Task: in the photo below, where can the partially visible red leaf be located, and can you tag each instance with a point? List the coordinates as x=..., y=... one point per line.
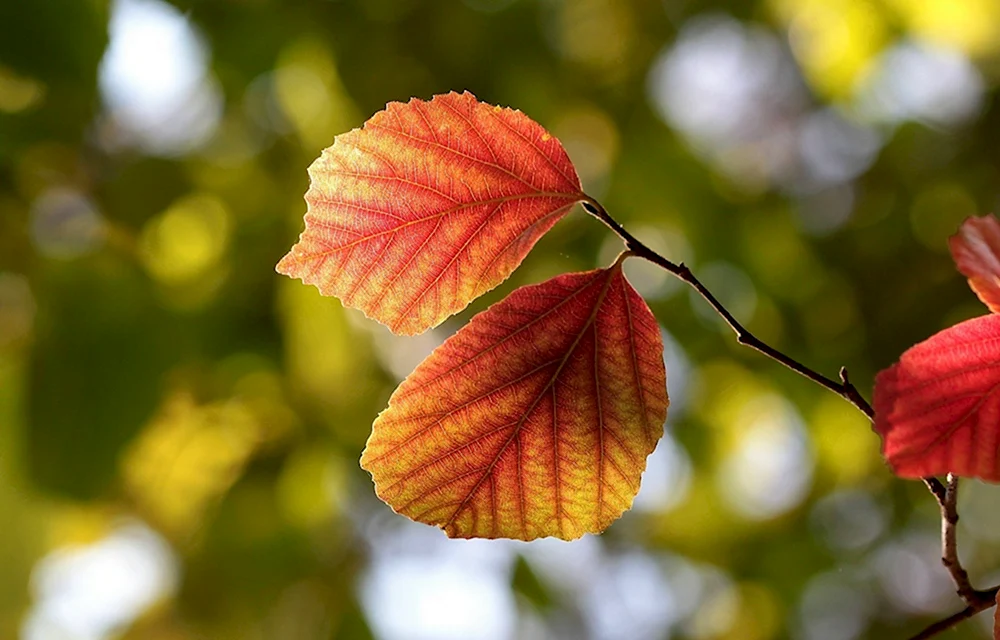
x=534, y=420
x=976, y=250
x=429, y=206
x=938, y=409
x=996, y=619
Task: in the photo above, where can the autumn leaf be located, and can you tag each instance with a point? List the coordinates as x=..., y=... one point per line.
x=976, y=250
x=996, y=619
x=533, y=420
x=428, y=206
x=938, y=409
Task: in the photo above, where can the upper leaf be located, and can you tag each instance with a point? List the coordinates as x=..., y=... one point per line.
x=428, y=206
x=976, y=250
x=534, y=420
x=938, y=408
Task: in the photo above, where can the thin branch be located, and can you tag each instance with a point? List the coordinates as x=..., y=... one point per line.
x=949, y=542
x=951, y=621
x=946, y=495
x=976, y=600
x=844, y=388
x=935, y=487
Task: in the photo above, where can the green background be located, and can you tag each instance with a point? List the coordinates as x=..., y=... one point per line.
x=180, y=426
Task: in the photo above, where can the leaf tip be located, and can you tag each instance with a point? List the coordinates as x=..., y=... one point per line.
x=288, y=265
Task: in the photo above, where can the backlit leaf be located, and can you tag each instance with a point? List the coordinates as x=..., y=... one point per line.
x=429, y=206
x=976, y=250
x=938, y=408
x=533, y=420
x=996, y=619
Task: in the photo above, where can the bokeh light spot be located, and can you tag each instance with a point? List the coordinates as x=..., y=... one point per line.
x=95, y=591
x=154, y=78
x=187, y=240
x=65, y=224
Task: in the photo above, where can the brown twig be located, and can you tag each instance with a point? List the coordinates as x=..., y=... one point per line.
x=844, y=388
x=946, y=495
x=949, y=622
x=935, y=487
x=976, y=600
x=949, y=540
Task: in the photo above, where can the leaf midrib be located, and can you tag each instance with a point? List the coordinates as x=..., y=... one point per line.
x=612, y=273
x=574, y=197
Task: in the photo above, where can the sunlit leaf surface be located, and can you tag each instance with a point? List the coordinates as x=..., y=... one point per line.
x=976, y=250
x=533, y=420
x=428, y=206
x=938, y=408
x=996, y=620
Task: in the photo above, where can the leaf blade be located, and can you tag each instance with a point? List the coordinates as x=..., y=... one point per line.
x=996, y=619
x=976, y=251
x=938, y=409
x=428, y=206
x=533, y=420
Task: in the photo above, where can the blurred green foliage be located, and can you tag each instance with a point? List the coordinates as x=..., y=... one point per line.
x=807, y=157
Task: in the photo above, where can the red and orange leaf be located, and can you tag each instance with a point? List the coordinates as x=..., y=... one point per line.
x=996, y=619
x=428, y=206
x=976, y=250
x=533, y=420
x=938, y=409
